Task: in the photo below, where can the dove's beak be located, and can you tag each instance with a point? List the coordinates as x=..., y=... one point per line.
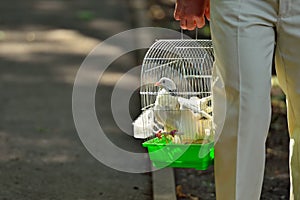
x=157, y=84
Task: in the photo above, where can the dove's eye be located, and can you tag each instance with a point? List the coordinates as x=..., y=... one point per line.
x=163, y=81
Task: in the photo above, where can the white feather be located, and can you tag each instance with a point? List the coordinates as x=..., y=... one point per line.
x=197, y=105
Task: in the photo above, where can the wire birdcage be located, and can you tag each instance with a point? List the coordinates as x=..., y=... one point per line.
x=176, y=94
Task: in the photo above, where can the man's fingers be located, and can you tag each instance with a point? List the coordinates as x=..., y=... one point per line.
x=192, y=13
x=207, y=15
x=200, y=21
x=207, y=11
x=183, y=24
x=190, y=24
x=178, y=10
x=177, y=14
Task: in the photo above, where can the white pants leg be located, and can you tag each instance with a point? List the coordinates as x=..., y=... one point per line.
x=287, y=60
x=243, y=33
x=244, y=39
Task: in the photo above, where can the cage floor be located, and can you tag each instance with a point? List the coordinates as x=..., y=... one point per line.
x=163, y=154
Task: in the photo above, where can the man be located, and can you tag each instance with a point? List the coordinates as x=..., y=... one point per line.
x=245, y=34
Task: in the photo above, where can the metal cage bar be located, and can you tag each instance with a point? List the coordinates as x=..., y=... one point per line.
x=187, y=108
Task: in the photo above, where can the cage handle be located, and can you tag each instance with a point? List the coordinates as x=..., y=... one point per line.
x=196, y=34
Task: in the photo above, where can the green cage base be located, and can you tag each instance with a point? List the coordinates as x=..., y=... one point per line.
x=166, y=154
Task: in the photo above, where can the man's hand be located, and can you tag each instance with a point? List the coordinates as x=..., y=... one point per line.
x=191, y=13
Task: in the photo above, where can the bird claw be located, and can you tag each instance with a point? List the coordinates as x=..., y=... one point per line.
x=158, y=134
x=173, y=132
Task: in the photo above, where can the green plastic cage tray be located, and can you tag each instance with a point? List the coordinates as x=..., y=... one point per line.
x=167, y=154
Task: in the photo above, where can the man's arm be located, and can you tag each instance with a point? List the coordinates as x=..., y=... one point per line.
x=191, y=13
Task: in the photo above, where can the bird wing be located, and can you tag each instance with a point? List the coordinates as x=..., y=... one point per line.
x=197, y=105
x=166, y=110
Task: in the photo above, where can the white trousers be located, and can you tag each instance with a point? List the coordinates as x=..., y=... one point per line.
x=246, y=34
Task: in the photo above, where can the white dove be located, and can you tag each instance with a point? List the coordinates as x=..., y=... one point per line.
x=166, y=106
x=169, y=112
x=167, y=84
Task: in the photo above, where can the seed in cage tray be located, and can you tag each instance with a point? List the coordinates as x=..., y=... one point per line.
x=200, y=141
x=195, y=141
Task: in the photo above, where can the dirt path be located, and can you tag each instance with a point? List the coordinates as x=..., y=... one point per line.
x=42, y=44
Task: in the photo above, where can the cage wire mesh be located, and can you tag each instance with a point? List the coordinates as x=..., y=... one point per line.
x=175, y=91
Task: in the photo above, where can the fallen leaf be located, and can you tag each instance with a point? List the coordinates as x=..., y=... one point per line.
x=179, y=192
x=193, y=197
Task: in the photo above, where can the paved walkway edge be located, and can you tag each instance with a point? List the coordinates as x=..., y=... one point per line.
x=163, y=181
x=163, y=184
